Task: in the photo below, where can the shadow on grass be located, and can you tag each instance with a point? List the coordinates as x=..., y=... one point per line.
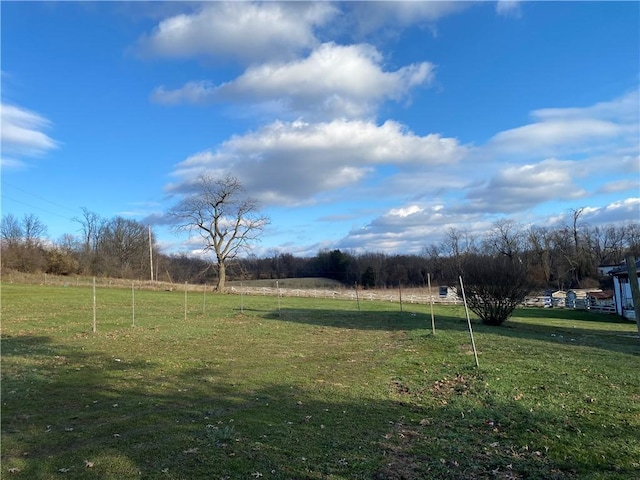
x=364, y=320
x=619, y=340
x=77, y=414
x=566, y=314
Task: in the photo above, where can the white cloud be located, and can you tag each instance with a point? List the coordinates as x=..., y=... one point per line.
x=295, y=162
x=334, y=80
x=624, y=210
x=22, y=135
x=509, y=8
x=623, y=109
x=550, y=135
x=563, y=131
x=519, y=187
x=405, y=212
x=241, y=31
x=410, y=228
x=621, y=186
x=370, y=17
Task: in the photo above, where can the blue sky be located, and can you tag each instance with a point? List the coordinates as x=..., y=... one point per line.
x=368, y=126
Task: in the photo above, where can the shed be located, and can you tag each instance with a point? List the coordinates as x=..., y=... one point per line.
x=558, y=298
x=577, y=298
x=601, y=301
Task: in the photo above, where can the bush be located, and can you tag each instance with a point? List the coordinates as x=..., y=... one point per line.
x=494, y=286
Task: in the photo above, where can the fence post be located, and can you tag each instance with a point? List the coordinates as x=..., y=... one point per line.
x=473, y=343
x=94, y=305
x=433, y=321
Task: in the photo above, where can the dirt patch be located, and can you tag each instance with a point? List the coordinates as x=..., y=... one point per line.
x=447, y=387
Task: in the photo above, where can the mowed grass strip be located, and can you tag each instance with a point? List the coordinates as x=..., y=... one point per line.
x=256, y=387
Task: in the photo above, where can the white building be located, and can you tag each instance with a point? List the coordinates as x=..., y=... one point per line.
x=622, y=291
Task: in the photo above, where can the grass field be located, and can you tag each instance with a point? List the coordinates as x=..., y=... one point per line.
x=309, y=389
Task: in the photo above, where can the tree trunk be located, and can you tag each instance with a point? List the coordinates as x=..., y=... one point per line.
x=222, y=275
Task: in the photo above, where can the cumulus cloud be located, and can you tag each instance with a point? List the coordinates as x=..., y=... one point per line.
x=23, y=136
x=334, y=80
x=294, y=162
x=246, y=32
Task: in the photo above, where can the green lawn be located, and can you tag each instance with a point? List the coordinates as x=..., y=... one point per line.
x=309, y=389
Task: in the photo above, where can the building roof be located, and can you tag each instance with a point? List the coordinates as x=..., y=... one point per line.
x=622, y=269
x=607, y=294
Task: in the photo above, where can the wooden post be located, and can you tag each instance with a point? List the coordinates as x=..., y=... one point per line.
x=133, y=304
x=635, y=289
x=151, y=254
x=278, y=292
x=357, y=296
x=185, y=301
x=400, y=295
x=433, y=320
x=473, y=343
x=94, y=305
x=204, y=299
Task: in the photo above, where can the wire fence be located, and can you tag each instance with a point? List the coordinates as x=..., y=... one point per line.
x=441, y=295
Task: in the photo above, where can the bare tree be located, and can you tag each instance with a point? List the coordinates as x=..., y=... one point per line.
x=505, y=238
x=11, y=230
x=22, y=242
x=227, y=222
x=34, y=230
x=90, y=224
x=538, y=243
x=92, y=227
x=125, y=248
x=632, y=238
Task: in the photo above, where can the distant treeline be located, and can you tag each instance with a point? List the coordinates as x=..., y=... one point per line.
x=560, y=257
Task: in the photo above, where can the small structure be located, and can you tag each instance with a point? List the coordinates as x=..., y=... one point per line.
x=601, y=301
x=622, y=291
x=446, y=293
x=539, y=299
x=558, y=299
x=577, y=298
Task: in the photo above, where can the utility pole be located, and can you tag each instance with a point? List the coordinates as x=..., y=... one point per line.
x=150, y=254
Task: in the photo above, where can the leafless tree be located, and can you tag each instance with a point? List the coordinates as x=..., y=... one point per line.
x=539, y=243
x=11, y=230
x=124, y=247
x=34, y=230
x=632, y=238
x=226, y=221
x=22, y=242
x=92, y=228
x=505, y=238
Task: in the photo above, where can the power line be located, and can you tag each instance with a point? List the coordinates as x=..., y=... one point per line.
x=38, y=196
x=38, y=208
